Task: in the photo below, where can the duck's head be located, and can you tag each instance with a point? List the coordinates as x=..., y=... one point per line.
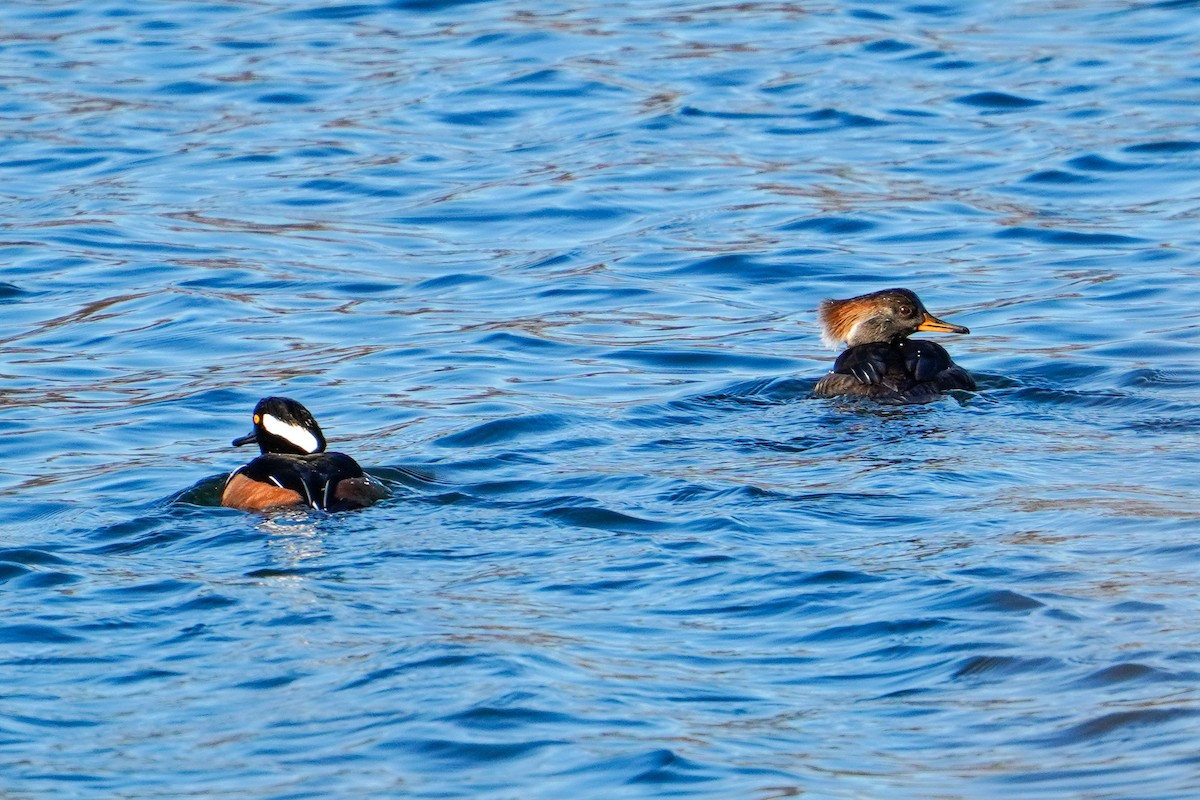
x=281, y=425
x=885, y=316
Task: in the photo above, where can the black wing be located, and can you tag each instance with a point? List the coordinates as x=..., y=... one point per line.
x=875, y=364
x=911, y=370
x=928, y=362
x=314, y=477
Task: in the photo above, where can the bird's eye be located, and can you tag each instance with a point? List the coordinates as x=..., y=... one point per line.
x=906, y=311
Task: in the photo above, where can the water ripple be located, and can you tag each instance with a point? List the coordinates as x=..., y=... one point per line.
x=551, y=274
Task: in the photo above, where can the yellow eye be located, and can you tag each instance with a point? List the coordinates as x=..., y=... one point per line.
x=257, y=419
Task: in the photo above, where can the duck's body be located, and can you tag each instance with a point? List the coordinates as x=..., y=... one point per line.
x=881, y=362
x=294, y=468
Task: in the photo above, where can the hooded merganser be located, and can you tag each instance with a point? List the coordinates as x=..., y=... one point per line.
x=294, y=469
x=880, y=361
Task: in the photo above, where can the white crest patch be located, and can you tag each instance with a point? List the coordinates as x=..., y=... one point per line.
x=855, y=332
x=830, y=340
x=293, y=433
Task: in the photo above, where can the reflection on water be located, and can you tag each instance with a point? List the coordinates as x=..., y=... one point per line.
x=551, y=274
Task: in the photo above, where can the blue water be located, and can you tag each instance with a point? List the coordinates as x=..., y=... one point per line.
x=550, y=271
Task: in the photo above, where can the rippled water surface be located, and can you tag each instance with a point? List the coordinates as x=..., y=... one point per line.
x=550, y=271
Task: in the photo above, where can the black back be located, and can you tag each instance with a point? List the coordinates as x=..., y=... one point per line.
x=314, y=476
x=913, y=369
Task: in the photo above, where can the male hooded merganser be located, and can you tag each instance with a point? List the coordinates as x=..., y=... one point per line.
x=880, y=361
x=294, y=469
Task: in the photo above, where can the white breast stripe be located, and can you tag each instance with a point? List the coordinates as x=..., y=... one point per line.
x=293, y=433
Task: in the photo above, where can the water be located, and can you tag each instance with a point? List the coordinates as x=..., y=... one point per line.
x=551, y=273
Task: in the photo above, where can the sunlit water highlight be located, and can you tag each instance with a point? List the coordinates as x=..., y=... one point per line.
x=551, y=273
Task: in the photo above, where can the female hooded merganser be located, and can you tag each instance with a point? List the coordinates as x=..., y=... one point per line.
x=880, y=361
x=294, y=469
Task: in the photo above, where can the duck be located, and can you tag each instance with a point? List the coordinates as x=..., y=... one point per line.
x=294, y=468
x=880, y=361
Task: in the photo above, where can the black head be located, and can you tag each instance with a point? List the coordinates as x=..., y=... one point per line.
x=281, y=425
